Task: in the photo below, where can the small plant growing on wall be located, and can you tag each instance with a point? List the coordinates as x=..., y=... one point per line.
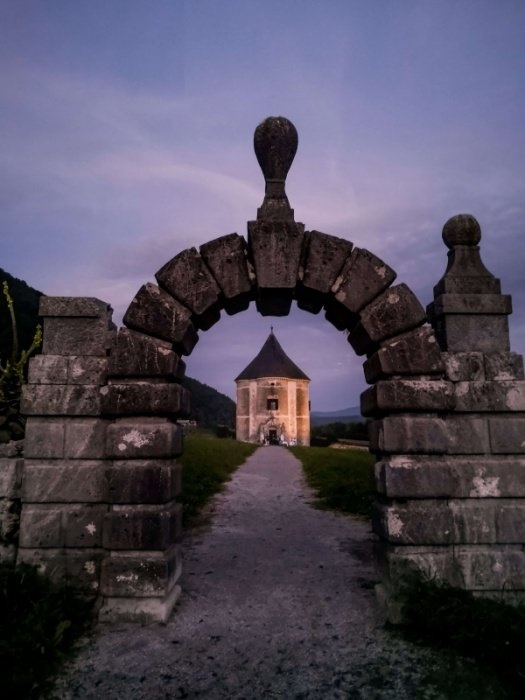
x=12, y=423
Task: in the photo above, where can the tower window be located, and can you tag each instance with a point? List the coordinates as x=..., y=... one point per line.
x=272, y=404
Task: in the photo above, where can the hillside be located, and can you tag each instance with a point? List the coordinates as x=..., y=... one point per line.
x=345, y=415
x=208, y=406
x=26, y=312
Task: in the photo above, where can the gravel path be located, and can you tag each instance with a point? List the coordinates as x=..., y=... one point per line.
x=277, y=602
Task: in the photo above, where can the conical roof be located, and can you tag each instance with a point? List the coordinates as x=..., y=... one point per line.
x=272, y=361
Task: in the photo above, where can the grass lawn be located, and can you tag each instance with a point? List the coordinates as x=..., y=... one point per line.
x=207, y=463
x=342, y=479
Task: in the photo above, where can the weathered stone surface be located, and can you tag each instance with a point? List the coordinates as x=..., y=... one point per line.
x=464, y=366
x=139, y=610
x=82, y=565
x=457, y=333
x=138, y=355
x=187, y=278
x=143, y=439
x=143, y=481
x=507, y=434
x=85, y=438
x=85, y=307
x=403, y=476
x=13, y=448
x=142, y=527
x=396, y=310
x=227, y=259
x=275, y=249
x=87, y=370
x=10, y=476
x=396, y=395
x=75, y=336
x=362, y=278
x=408, y=434
x=470, y=521
x=472, y=304
x=9, y=520
x=141, y=573
x=323, y=258
x=145, y=398
x=501, y=366
x=45, y=438
x=415, y=352
x=62, y=481
x=467, y=435
x=154, y=312
x=48, y=369
x=52, y=525
x=475, y=567
x=490, y=396
x=60, y=400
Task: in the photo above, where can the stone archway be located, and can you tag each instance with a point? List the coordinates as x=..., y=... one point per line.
x=100, y=474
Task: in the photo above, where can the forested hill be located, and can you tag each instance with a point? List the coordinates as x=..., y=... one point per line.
x=26, y=301
x=208, y=406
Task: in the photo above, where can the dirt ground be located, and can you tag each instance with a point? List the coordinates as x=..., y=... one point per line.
x=277, y=602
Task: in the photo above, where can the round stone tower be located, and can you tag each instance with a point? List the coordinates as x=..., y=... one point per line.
x=273, y=405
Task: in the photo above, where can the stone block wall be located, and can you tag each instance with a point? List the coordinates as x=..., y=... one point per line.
x=11, y=470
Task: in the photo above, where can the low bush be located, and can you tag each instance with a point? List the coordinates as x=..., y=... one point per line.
x=40, y=622
x=343, y=479
x=207, y=462
x=490, y=632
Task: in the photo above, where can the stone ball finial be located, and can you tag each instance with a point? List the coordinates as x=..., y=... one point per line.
x=462, y=229
x=275, y=143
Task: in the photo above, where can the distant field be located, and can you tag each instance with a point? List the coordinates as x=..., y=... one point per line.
x=342, y=479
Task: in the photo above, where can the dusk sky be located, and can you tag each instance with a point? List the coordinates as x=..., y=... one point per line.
x=126, y=131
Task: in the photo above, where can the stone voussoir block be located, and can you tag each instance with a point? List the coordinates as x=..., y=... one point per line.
x=137, y=355
x=143, y=439
x=155, y=312
x=227, y=259
x=396, y=310
x=323, y=258
x=144, y=398
x=187, y=278
x=275, y=251
x=143, y=481
x=140, y=573
x=405, y=476
x=408, y=434
x=412, y=353
x=64, y=481
x=401, y=395
x=507, y=434
x=142, y=526
x=466, y=521
x=60, y=400
x=490, y=396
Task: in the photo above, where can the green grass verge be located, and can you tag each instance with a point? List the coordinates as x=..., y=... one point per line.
x=40, y=622
x=342, y=479
x=207, y=462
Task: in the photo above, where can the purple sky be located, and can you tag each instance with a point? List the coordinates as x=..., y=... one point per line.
x=126, y=132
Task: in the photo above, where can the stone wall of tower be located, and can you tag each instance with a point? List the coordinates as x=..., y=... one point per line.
x=291, y=419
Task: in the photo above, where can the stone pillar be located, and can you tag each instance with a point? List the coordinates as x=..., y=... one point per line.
x=64, y=491
x=142, y=528
x=11, y=468
x=451, y=467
